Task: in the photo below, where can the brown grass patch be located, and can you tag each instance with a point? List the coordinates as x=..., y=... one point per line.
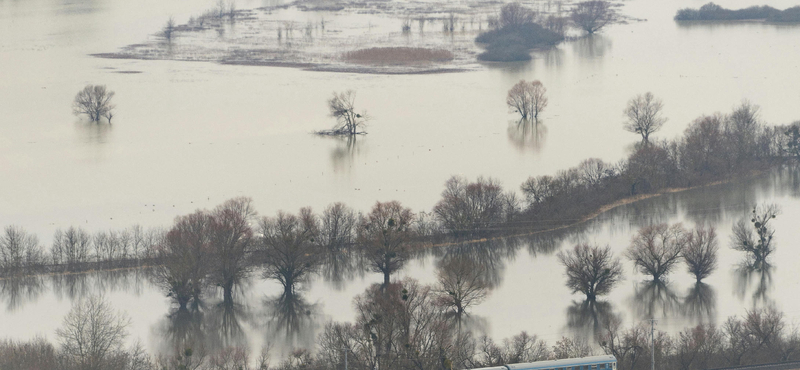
x=398, y=55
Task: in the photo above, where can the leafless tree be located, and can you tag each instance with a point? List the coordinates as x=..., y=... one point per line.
x=520, y=348
x=593, y=171
x=742, y=127
x=462, y=283
x=348, y=121
x=696, y=347
x=514, y=14
x=92, y=333
x=184, y=256
x=384, y=235
x=761, y=245
x=470, y=207
x=527, y=98
x=701, y=252
x=231, y=243
x=338, y=226
x=591, y=16
x=18, y=251
x=656, y=249
x=290, y=252
x=169, y=29
x=70, y=247
x=94, y=101
x=572, y=348
x=644, y=115
x=591, y=270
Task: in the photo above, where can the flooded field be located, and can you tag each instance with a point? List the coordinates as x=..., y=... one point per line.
x=189, y=135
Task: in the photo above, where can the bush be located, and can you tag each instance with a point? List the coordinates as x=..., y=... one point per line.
x=511, y=43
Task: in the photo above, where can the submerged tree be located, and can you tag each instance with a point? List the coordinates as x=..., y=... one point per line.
x=169, y=29
x=591, y=16
x=759, y=246
x=700, y=254
x=183, y=257
x=462, y=283
x=384, y=234
x=95, y=102
x=289, y=250
x=656, y=249
x=527, y=98
x=231, y=243
x=348, y=121
x=591, y=270
x=644, y=115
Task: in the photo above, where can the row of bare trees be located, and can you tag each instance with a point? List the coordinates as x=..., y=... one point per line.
x=75, y=249
x=761, y=335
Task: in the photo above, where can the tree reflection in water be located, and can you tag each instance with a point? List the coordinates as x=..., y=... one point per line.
x=184, y=328
x=291, y=320
x=587, y=318
x=527, y=134
x=344, y=153
x=653, y=298
x=339, y=265
x=71, y=286
x=224, y=319
x=755, y=276
x=18, y=291
x=700, y=303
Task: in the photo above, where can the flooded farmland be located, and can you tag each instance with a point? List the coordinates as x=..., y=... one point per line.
x=191, y=134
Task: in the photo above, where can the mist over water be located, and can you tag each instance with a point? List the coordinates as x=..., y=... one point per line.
x=190, y=135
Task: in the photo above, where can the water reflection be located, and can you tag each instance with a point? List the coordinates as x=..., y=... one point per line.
x=338, y=265
x=183, y=328
x=700, y=303
x=492, y=254
x=755, y=276
x=225, y=321
x=291, y=321
x=527, y=134
x=93, y=133
x=588, y=317
x=71, y=286
x=18, y=291
x=655, y=298
x=593, y=46
x=345, y=152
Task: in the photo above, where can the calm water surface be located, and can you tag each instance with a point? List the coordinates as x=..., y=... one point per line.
x=190, y=135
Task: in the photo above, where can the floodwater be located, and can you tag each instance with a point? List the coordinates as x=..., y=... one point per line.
x=190, y=135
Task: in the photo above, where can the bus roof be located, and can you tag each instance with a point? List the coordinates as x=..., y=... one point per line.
x=563, y=363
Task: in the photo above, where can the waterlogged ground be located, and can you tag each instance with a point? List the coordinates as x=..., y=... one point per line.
x=189, y=135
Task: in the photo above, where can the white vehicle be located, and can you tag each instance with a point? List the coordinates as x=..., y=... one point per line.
x=583, y=363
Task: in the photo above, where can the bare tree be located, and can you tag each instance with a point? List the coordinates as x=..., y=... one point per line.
x=462, y=283
x=656, y=249
x=591, y=16
x=527, y=98
x=92, y=333
x=70, y=247
x=470, y=207
x=384, y=235
x=288, y=245
x=701, y=252
x=348, y=121
x=169, y=29
x=184, y=256
x=18, y=251
x=760, y=246
x=591, y=270
x=94, y=101
x=514, y=14
x=593, y=171
x=644, y=115
x=231, y=242
x=572, y=348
